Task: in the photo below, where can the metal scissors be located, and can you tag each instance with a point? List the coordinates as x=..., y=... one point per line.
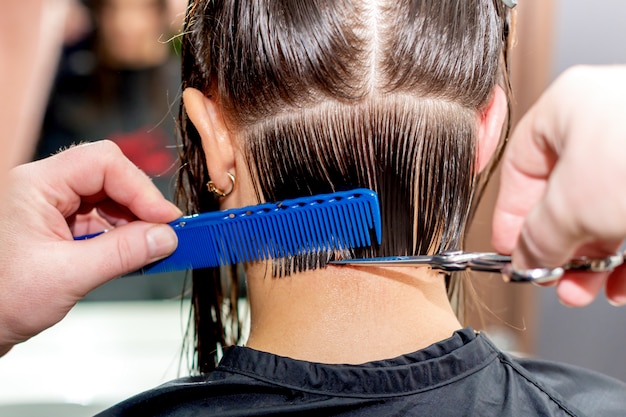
x=457, y=260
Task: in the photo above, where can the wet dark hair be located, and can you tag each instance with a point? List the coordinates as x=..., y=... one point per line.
x=332, y=95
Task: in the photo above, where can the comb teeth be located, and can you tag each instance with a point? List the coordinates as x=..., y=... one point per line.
x=342, y=220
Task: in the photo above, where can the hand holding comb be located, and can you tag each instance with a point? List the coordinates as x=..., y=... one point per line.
x=326, y=222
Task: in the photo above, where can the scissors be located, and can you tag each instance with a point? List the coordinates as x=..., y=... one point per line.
x=457, y=260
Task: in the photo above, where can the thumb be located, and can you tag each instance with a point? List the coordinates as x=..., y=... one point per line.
x=548, y=237
x=120, y=251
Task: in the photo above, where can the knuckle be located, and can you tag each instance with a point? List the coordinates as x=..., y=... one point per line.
x=108, y=146
x=111, y=151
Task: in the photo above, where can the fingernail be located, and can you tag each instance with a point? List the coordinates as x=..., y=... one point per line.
x=566, y=303
x=617, y=301
x=161, y=241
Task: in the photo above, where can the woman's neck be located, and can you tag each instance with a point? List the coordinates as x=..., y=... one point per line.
x=348, y=314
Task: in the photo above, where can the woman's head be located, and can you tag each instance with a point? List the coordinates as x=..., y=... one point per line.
x=307, y=97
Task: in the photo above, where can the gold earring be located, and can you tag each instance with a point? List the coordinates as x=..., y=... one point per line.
x=212, y=188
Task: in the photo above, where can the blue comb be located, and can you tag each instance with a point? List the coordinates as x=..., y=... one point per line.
x=299, y=226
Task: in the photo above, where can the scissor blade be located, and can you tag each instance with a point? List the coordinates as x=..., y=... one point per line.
x=388, y=261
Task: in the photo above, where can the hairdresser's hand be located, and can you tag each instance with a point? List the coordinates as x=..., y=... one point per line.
x=563, y=185
x=44, y=272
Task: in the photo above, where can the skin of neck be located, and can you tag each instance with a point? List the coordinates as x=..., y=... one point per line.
x=346, y=314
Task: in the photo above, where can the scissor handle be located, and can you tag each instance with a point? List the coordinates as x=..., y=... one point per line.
x=596, y=265
x=533, y=275
x=501, y=264
x=546, y=275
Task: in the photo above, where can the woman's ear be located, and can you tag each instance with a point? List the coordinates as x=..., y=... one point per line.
x=217, y=142
x=490, y=127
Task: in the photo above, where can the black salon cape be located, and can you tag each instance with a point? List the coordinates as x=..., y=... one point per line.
x=465, y=375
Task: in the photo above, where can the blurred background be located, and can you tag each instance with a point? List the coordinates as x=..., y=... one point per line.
x=118, y=78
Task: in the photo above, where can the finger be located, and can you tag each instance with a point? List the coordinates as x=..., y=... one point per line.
x=547, y=238
x=526, y=167
x=111, y=172
x=561, y=226
x=120, y=251
x=580, y=288
x=616, y=286
x=517, y=195
x=598, y=249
